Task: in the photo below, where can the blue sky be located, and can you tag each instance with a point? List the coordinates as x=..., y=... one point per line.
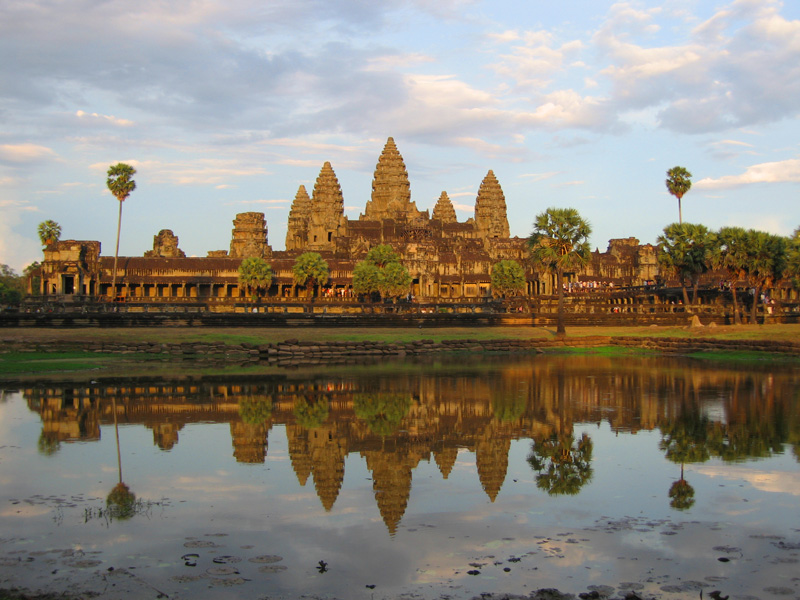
x=228, y=107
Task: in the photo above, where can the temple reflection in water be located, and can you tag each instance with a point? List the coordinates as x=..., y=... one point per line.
x=419, y=413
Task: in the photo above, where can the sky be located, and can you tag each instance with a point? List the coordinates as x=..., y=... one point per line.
x=226, y=107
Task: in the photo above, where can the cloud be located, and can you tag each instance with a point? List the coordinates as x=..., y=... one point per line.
x=194, y=172
x=95, y=117
x=786, y=171
x=25, y=153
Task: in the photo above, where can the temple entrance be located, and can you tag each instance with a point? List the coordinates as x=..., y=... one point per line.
x=67, y=284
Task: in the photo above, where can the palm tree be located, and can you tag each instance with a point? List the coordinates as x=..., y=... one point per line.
x=679, y=181
x=310, y=269
x=120, y=183
x=49, y=232
x=764, y=264
x=684, y=250
x=559, y=244
x=255, y=274
x=729, y=255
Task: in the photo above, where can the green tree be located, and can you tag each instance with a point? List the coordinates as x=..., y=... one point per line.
x=559, y=244
x=310, y=270
x=765, y=264
x=684, y=250
x=729, y=256
x=508, y=278
x=33, y=275
x=793, y=257
x=395, y=281
x=255, y=274
x=681, y=494
x=12, y=286
x=255, y=410
x=381, y=271
x=679, y=181
x=120, y=183
x=49, y=232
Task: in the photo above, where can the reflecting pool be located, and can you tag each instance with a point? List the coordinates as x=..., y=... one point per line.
x=442, y=479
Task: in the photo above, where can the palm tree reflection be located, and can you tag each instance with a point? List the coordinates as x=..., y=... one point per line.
x=563, y=465
x=121, y=501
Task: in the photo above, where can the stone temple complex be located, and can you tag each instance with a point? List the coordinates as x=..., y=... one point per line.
x=449, y=260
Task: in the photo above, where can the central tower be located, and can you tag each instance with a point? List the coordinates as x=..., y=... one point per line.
x=391, y=191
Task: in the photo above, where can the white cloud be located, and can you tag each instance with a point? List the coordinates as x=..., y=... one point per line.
x=786, y=171
x=95, y=117
x=25, y=153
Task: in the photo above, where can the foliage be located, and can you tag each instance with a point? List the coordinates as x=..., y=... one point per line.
x=793, y=257
x=381, y=255
x=381, y=272
x=366, y=278
x=310, y=414
x=729, y=255
x=508, y=278
x=120, y=180
x=684, y=250
x=255, y=274
x=764, y=264
x=382, y=411
x=686, y=439
x=563, y=465
x=49, y=232
x=255, y=410
x=679, y=181
x=120, y=183
x=310, y=269
x=559, y=244
x=12, y=286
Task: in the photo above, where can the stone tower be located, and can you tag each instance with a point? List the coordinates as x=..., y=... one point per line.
x=249, y=237
x=391, y=191
x=327, y=221
x=491, y=219
x=444, y=210
x=299, y=216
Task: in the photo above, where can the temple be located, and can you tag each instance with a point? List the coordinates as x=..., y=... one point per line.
x=449, y=260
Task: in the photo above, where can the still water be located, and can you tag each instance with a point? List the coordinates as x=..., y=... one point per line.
x=428, y=480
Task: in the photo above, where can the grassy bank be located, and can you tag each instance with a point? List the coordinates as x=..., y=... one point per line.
x=240, y=335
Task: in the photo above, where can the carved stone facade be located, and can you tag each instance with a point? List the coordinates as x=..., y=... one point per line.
x=448, y=260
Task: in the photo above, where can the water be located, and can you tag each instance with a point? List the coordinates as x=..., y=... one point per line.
x=433, y=480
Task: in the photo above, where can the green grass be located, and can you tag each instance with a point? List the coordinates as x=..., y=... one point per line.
x=744, y=356
x=59, y=362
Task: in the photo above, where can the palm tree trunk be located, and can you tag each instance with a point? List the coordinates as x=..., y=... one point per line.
x=737, y=317
x=754, y=308
x=560, y=328
x=116, y=255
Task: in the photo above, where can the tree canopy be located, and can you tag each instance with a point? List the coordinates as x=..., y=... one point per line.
x=559, y=244
x=508, y=278
x=255, y=274
x=120, y=183
x=684, y=250
x=381, y=271
x=49, y=232
x=679, y=181
x=310, y=269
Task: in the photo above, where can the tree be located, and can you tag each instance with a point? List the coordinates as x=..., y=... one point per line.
x=120, y=183
x=382, y=411
x=49, y=232
x=764, y=264
x=729, y=255
x=381, y=271
x=559, y=244
x=684, y=250
x=679, y=181
x=12, y=286
x=508, y=278
x=310, y=269
x=793, y=257
x=255, y=274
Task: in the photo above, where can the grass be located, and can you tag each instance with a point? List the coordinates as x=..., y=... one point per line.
x=50, y=362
